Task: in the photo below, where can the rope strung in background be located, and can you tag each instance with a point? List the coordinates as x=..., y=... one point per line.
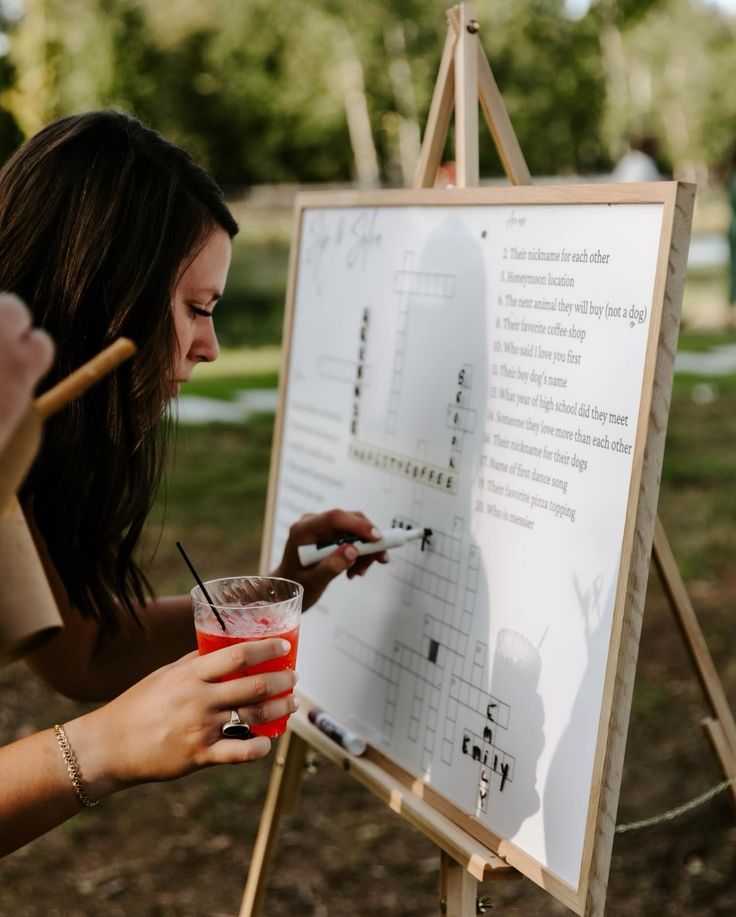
x=678, y=810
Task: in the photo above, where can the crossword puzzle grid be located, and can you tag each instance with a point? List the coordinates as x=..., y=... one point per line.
x=442, y=644
x=434, y=574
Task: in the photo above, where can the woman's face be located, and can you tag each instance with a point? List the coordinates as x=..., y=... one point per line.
x=195, y=297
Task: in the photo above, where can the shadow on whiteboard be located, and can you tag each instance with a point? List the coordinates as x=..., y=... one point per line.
x=516, y=668
x=565, y=799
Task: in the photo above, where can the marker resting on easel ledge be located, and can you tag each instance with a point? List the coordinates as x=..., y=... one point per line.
x=350, y=741
x=391, y=538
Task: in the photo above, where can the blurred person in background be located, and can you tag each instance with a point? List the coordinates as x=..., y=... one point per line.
x=639, y=162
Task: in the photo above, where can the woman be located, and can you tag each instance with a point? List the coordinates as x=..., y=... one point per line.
x=182, y=705
x=106, y=229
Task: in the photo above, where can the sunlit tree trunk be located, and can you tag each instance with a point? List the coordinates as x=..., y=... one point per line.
x=30, y=99
x=356, y=110
x=62, y=52
x=409, y=134
x=616, y=122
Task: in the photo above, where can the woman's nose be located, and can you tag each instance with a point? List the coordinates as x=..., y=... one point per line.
x=207, y=347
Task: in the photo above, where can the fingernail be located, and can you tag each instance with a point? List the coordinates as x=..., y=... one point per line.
x=295, y=702
x=285, y=646
x=350, y=553
x=376, y=533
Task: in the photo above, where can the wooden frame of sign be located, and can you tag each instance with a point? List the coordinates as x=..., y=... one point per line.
x=640, y=514
x=470, y=848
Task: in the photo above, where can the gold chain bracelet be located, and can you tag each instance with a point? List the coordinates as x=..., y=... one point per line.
x=73, y=768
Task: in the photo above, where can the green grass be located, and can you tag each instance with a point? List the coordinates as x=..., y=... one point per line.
x=213, y=502
x=698, y=491
x=651, y=698
x=250, y=313
x=236, y=369
x=696, y=341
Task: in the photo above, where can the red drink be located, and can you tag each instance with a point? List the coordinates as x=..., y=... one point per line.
x=208, y=642
x=241, y=609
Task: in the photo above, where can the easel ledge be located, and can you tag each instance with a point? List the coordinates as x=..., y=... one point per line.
x=477, y=859
x=465, y=861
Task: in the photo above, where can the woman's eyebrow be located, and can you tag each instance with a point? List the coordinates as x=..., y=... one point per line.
x=211, y=294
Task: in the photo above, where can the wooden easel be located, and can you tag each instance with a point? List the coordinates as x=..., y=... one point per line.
x=465, y=65
x=720, y=726
x=464, y=78
x=463, y=861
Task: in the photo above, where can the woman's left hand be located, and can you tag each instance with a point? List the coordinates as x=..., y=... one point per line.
x=326, y=527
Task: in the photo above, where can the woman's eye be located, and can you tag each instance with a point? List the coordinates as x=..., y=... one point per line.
x=198, y=310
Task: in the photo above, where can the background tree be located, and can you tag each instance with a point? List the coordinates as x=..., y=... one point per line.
x=10, y=132
x=675, y=68
x=333, y=90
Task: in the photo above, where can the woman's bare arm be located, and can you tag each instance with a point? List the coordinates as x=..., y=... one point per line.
x=82, y=664
x=165, y=726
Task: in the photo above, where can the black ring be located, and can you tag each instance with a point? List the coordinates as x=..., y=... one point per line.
x=235, y=728
x=236, y=731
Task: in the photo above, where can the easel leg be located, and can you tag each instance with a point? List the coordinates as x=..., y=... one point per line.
x=283, y=792
x=722, y=750
x=458, y=889
x=721, y=728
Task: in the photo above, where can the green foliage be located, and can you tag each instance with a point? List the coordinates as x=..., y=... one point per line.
x=244, y=88
x=10, y=132
x=256, y=90
x=622, y=13
x=686, y=102
x=214, y=498
x=549, y=71
x=251, y=311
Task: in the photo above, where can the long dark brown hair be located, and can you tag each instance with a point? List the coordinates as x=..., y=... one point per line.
x=98, y=217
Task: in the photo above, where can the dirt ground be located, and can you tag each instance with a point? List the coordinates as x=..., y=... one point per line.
x=183, y=848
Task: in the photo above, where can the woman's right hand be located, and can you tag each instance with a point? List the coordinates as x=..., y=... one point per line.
x=168, y=724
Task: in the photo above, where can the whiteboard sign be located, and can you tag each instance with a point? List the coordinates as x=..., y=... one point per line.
x=481, y=364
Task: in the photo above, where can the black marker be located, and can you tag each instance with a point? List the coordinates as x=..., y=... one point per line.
x=350, y=741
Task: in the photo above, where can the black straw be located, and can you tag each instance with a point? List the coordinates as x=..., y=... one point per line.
x=200, y=584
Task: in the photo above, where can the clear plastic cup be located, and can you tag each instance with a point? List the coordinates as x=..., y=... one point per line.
x=251, y=608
